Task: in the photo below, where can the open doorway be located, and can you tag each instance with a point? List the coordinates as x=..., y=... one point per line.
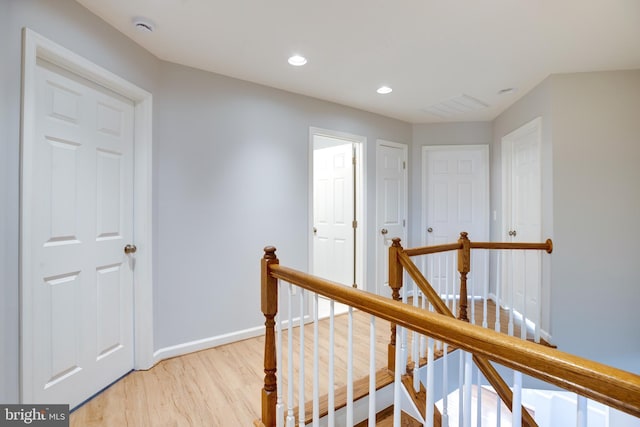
x=337, y=206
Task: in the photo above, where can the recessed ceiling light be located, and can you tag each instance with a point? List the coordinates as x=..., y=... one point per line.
x=297, y=60
x=383, y=90
x=143, y=25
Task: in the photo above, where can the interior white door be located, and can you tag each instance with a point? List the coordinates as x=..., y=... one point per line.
x=334, y=213
x=391, y=206
x=521, y=151
x=81, y=333
x=456, y=199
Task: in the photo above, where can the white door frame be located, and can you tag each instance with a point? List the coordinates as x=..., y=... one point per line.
x=404, y=237
x=361, y=200
x=36, y=46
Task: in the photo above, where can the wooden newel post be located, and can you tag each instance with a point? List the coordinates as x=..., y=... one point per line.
x=395, y=283
x=269, y=304
x=464, y=266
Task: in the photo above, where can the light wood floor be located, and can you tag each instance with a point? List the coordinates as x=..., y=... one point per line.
x=222, y=386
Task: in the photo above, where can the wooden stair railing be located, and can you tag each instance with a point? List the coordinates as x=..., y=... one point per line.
x=611, y=386
x=400, y=258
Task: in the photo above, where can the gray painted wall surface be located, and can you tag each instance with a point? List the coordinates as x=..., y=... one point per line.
x=596, y=171
x=230, y=177
x=467, y=133
x=591, y=206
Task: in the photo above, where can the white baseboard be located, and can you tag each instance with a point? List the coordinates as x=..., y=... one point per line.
x=215, y=341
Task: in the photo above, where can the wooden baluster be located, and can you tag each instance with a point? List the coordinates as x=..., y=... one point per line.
x=395, y=283
x=464, y=266
x=269, y=303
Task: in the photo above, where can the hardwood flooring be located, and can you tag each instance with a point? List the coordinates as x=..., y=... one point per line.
x=221, y=386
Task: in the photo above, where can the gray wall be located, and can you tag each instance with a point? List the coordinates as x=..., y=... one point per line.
x=596, y=206
x=230, y=177
x=591, y=206
x=463, y=133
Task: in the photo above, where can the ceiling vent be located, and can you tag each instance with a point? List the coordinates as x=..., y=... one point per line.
x=456, y=106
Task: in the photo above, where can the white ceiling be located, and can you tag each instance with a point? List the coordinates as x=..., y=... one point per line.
x=428, y=51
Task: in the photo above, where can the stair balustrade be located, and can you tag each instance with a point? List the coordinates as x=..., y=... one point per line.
x=430, y=324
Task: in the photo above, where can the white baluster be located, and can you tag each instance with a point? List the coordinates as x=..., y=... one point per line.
x=350, y=368
x=498, y=411
x=468, y=383
x=517, y=399
x=430, y=384
x=461, y=388
x=471, y=290
x=301, y=376
x=372, y=371
x=523, y=326
x=316, y=367
x=538, y=319
x=485, y=290
x=479, y=400
x=397, y=397
x=290, y=417
x=331, y=420
x=279, y=403
x=445, y=385
x=415, y=344
x=582, y=411
x=498, y=326
x=512, y=290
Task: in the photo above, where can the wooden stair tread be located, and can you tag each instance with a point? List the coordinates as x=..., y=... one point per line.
x=420, y=399
x=360, y=389
x=384, y=418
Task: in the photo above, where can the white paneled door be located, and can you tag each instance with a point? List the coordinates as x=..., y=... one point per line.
x=456, y=199
x=334, y=210
x=523, y=213
x=391, y=205
x=80, y=279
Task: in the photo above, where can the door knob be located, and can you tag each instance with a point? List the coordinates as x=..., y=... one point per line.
x=512, y=233
x=384, y=231
x=429, y=230
x=315, y=230
x=130, y=249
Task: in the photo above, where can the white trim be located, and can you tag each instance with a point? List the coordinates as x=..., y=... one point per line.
x=361, y=202
x=218, y=340
x=36, y=46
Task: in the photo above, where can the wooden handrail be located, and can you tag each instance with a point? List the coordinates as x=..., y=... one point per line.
x=425, y=250
x=546, y=246
x=610, y=386
x=487, y=369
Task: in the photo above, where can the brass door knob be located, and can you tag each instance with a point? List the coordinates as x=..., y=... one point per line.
x=429, y=230
x=384, y=231
x=130, y=249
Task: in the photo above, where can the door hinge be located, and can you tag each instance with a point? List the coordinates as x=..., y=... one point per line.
x=354, y=224
x=353, y=160
x=404, y=165
x=404, y=222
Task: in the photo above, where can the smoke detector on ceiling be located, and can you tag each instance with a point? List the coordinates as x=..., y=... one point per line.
x=143, y=25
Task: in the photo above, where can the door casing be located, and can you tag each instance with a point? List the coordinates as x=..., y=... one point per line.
x=36, y=46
